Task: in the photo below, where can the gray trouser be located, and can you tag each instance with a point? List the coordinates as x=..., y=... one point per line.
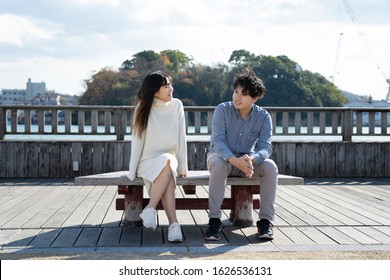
x=267, y=172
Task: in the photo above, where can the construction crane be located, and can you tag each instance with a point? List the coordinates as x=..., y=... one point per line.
x=335, y=70
x=355, y=20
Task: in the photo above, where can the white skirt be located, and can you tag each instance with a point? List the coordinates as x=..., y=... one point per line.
x=149, y=169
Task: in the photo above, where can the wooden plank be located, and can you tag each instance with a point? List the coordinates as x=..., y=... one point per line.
x=22, y=238
x=110, y=236
x=67, y=237
x=98, y=212
x=3, y=159
x=113, y=217
x=193, y=236
x=300, y=153
x=235, y=236
x=358, y=235
x=62, y=215
x=340, y=160
x=131, y=236
x=371, y=216
x=54, y=159
x=280, y=238
x=376, y=234
x=336, y=210
x=359, y=156
x=297, y=236
x=11, y=157
x=118, y=151
x=108, y=157
x=371, y=158
x=317, y=207
x=290, y=167
x=76, y=157
x=14, y=206
x=330, y=159
x=87, y=158
x=310, y=160
x=27, y=212
x=380, y=159
x=32, y=159
x=79, y=215
x=6, y=235
x=88, y=237
x=317, y=236
x=338, y=236
x=366, y=196
x=152, y=238
x=320, y=161
x=43, y=160
x=45, y=238
x=97, y=158
x=50, y=208
x=310, y=215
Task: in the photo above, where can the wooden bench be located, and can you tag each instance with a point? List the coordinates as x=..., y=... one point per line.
x=240, y=203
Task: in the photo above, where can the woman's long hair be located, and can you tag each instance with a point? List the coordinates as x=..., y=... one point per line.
x=150, y=86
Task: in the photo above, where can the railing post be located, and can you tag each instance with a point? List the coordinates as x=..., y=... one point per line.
x=120, y=124
x=3, y=122
x=347, y=127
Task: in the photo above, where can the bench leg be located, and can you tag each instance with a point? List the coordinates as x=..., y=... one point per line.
x=242, y=207
x=133, y=205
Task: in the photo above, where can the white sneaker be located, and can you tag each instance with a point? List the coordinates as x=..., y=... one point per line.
x=149, y=217
x=174, y=233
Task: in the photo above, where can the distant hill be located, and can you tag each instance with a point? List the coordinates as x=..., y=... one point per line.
x=354, y=97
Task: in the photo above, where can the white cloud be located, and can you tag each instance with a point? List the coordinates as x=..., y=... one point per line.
x=17, y=30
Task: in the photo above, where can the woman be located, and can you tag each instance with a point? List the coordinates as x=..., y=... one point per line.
x=159, y=148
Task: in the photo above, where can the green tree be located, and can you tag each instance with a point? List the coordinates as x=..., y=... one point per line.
x=286, y=82
x=175, y=60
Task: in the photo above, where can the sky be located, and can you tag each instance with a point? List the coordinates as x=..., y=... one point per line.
x=63, y=42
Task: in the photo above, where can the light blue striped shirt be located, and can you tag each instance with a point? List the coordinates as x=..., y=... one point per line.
x=233, y=136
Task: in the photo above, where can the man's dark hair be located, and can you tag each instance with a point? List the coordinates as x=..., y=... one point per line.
x=250, y=84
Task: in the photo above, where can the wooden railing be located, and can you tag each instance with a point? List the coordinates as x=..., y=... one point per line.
x=116, y=120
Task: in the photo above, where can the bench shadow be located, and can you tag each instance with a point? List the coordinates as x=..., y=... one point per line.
x=110, y=241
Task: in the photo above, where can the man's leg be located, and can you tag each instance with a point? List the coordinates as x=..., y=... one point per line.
x=268, y=173
x=219, y=170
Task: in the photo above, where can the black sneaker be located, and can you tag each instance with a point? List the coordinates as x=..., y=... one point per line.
x=214, y=230
x=265, y=230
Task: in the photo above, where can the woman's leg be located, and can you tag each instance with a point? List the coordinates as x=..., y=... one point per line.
x=163, y=188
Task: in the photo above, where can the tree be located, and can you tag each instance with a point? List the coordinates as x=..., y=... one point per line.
x=287, y=84
x=110, y=87
x=144, y=62
x=175, y=60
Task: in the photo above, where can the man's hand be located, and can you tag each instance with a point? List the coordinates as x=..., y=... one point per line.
x=243, y=163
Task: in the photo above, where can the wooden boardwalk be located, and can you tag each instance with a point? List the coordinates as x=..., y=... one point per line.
x=322, y=214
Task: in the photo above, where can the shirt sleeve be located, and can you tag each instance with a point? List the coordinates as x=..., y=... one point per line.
x=219, y=133
x=264, y=144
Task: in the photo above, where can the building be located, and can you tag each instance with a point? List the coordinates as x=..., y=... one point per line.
x=34, y=94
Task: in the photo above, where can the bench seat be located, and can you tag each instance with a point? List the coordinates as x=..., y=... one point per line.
x=240, y=203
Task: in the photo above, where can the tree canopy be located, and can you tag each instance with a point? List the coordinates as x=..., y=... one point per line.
x=287, y=84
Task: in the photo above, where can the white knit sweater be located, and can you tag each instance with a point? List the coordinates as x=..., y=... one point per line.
x=163, y=140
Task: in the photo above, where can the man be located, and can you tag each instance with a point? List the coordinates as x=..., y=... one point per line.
x=241, y=146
